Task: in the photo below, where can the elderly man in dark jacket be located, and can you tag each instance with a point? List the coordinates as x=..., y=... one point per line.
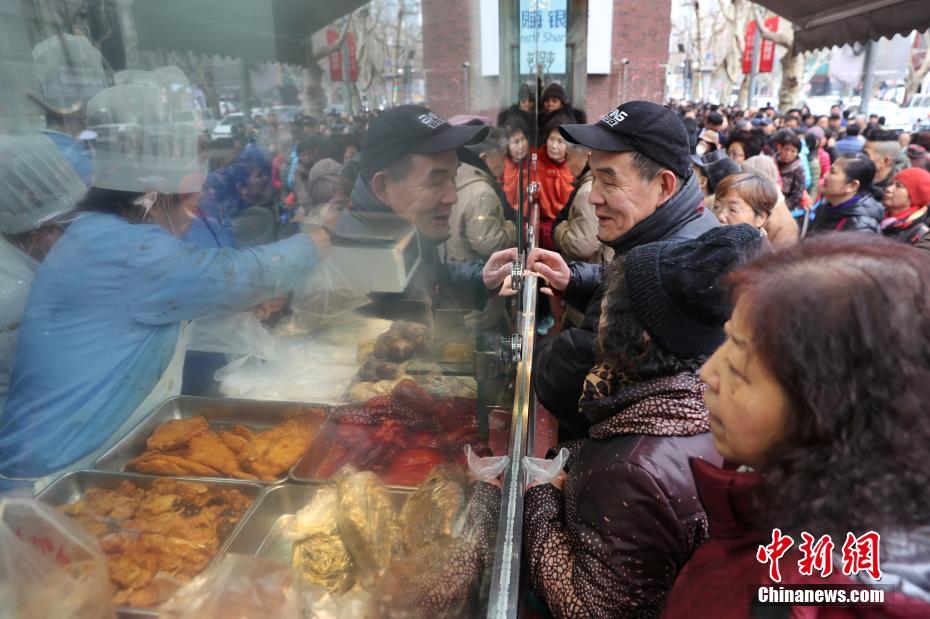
x=609, y=540
x=643, y=191
x=408, y=167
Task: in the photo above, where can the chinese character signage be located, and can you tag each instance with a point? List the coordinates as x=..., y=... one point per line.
x=335, y=59
x=859, y=554
x=545, y=21
x=766, y=51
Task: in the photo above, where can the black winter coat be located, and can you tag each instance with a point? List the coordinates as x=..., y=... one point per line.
x=863, y=215
x=611, y=543
x=563, y=362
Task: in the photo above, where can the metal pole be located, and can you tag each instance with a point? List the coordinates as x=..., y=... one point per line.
x=868, y=78
x=754, y=68
x=346, y=76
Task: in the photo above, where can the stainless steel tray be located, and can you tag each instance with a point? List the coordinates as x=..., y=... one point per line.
x=260, y=533
x=72, y=487
x=255, y=414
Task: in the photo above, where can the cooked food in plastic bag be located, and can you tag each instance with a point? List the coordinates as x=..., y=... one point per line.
x=49, y=566
x=237, y=587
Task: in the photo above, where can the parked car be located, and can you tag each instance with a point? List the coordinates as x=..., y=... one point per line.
x=895, y=117
x=918, y=109
x=209, y=120
x=224, y=128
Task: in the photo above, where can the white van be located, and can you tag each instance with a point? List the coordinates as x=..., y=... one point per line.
x=918, y=109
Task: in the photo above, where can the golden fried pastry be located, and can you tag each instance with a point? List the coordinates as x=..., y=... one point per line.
x=234, y=441
x=210, y=450
x=175, y=529
x=272, y=452
x=156, y=463
x=176, y=433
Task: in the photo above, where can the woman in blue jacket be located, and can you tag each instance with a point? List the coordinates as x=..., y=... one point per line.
x=101, y=339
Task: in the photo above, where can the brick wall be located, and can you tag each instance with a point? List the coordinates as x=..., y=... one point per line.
x=450, y=37
x=448, y=41
x=640, y=33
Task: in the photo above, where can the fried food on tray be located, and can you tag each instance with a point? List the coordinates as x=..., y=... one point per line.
x=176, y=433
x=188, y=447
x=173, y=528
x=272, y=452
x=158, y=463
x=211, y=450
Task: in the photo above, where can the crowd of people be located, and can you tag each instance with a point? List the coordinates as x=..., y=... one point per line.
x=738, y=319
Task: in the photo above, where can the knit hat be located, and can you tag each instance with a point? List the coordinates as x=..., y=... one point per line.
x=676, y=291
x=917, y=182
x=324, y=167
x=526, y=93
x=554, y=91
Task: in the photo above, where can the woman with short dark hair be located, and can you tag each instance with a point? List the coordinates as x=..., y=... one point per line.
x=830, y=435
x=848, y=203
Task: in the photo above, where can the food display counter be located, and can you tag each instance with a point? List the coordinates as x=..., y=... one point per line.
x=403, y=491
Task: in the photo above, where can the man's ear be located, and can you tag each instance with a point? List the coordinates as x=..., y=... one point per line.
x=379, y=186
x=483, y=156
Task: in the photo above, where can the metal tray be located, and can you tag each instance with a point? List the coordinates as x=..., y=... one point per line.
x=260, y=533
x=72, y=487
x=255, y=414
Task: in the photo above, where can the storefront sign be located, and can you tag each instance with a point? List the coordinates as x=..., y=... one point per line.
x=543, y=35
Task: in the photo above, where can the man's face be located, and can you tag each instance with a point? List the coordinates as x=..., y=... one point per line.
x=494, y=159
x=882, y=162
x=309, y=157
x=621, y=199
x=552, y=105
x=425, y=196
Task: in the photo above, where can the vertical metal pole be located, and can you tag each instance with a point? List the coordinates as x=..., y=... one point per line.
x=754, y=69
x=246, y=90
x=868, y=78
x=346, y=76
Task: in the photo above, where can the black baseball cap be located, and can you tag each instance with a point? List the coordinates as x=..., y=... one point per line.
x=411, y=129
x=654, y=130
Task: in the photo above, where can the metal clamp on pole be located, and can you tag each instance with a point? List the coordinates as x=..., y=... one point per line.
x=511, y=349
x=516, y=271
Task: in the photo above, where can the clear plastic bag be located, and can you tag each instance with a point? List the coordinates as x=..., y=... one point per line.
x=49, y=565
x=485, y=469
x=239, y=586
x=543, y=470
x=236, y=334
x=326, y=296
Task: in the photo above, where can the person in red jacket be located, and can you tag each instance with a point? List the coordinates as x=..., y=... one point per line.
x=817, y=403
x=556, y=181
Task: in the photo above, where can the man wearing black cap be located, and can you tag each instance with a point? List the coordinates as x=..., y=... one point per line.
x=407, y=167
x=644, y=191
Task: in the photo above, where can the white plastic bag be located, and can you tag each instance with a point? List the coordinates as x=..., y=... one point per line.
x=49, y=565
x=235, y=334
x=543, y=470
x=485, y=469
x=239, y=587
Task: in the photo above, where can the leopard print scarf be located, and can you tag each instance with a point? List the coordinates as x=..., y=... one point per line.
x=669, y=406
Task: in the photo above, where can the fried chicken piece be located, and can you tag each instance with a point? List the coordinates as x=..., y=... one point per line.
x=243, y=432
x=272, y=452
x=156, y=463
x=211, y=450
x=234, y=441
x=176, y=433
x=145, y=597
